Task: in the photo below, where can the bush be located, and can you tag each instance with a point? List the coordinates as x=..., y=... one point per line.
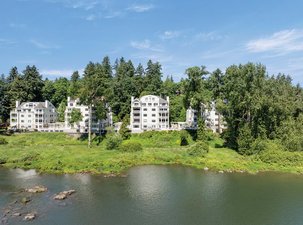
x=284, y=158
x=130, y=146
x=199, y=149
x=3, y=141
x=183, y=138
x=113, y=141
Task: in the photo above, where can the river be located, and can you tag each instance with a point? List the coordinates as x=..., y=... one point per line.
x=154, y=195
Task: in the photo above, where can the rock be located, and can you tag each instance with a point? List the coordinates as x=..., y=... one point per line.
x=36, y=189
x=25, y=200
x=63, y=195
x=29, y=216
x=16, y=214
x=221, y=171
x=206, y=169
x=110, y=175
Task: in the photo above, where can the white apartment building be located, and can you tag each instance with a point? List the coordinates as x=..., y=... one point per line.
x=33, y=115
x=213, y=120
x=82, y=126
x=149, y=112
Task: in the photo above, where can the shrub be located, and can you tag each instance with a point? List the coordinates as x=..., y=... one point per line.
x=113, y=141
x=3, y=141
x=183, y=138
x=199, y=149
x=284, y=158
x=130, y=146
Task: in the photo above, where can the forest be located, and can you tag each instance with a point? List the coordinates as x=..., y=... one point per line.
x=258, y=107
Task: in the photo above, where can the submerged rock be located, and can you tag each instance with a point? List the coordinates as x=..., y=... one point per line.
x=25, y=200
x=63, y=195
x=29, y=216
x=36, y=189
x=16, y=214
x=221, y=171
x=206, y=169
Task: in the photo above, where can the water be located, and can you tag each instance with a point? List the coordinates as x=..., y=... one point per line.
x=153, y=195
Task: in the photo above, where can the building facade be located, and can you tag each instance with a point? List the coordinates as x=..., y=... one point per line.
x=213, y=120
x=33, y=115
x=82, y=126
x=149, y=112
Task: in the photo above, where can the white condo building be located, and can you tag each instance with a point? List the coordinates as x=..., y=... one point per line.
x=149, y=112
x=82, y=126
x=33, y=115
x=213, y=120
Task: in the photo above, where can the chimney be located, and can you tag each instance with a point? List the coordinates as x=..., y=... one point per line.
x=46, y=104
x=17, y=104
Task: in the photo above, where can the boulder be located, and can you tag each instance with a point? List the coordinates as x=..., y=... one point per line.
x=63, y=195
x=29, y=216
x=25, y=200
x=206, y=169
x=36, y=189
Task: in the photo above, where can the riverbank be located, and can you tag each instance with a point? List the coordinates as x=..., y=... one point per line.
x=60, y=153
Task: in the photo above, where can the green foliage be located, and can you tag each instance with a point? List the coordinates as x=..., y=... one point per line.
x=61, y=111
x=124, y=131
x=201, y=130
x=183, y=138
x=75, y=116
x=130, y=146
x=290, y=133
x=113, y=141
x=199, y=149
x=284, y=158
x=3, y=141
x=245, y=140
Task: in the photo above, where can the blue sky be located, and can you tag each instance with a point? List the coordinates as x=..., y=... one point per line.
x=60, y=36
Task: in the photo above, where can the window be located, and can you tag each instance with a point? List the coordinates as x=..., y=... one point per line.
x=86, y=114
x=29, y=116
x=153, y=115
x=136, y=126
x=71, y=104
x=145, y=115
x=29, y=121
x=145, y=109
x=143, y=104
x=22, y=121
x=155, y=104
x=136, y=114
x=136, y=121
x=149, y=104
x=153, y=121
x=153, y=109
x=145, y=126
x=22, y=115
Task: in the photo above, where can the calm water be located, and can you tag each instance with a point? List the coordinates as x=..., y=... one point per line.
x=157, y=195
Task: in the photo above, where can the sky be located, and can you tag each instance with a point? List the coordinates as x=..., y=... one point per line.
x=61, y=36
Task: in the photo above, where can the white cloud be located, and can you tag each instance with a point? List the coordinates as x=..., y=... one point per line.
x=77, y=4
x=59, y=73
x=209, y=36
x=282, y=42
x=17, y=25
x=140, y=8
x=90, y=17
x=41, y=45
x=170, y=35
x=145, y=45
x=6, y=42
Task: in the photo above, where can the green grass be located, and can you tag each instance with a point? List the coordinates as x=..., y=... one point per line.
x=60, y=153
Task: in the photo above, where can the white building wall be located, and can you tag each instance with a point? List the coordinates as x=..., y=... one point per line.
x=213, y=120
x=150, y=112
x=33, y=115
x=82, y=126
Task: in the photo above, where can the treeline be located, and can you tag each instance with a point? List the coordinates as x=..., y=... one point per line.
x=256, y=106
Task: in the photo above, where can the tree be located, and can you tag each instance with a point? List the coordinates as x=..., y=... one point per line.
x=94, y=85
x=61, y=111
x=201, y=130
x=33, y=84
x=153, y=76
x=75, y=117
x=124, y=131
x=75, y=85
x=195, y=91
